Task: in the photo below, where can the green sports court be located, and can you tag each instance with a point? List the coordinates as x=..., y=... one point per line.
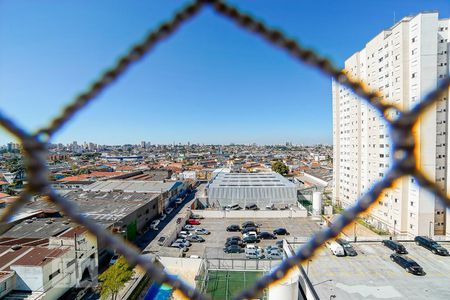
x=224, y=284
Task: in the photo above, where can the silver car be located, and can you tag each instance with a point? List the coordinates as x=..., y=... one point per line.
x=202, y=231
x=274, y=254
x=195, y=238
x=189, y=227
x=183, y=241
x=179, y=246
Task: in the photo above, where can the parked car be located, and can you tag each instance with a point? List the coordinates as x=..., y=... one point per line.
x=235, y=237
x=183, y=241
x=272, y=248
x=408, y=264
x=161, y=240
x=248, y=229
x=267, y=236
x=233, y=249
x=252, y=207
x=113, y=259
x=179, y=246
x=271, y=207
x=169, y=210
x=431, y=245
x=196, y=216
x=274, y=254
x=281, y=231
x=253, y=252
x=254, y=233
x=335, y=248
x=193, y=222
x=348, y=249
x=250, y=239
x=183, y=234
x=249, y=224
x=195, y=238
x=235, y=207
x=234, y=242
x=154, y=224
x=396, y=246
x=202, y=231
x=189, y=227
x=233, y=227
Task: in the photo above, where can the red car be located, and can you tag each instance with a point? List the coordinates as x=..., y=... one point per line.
x=192, y=222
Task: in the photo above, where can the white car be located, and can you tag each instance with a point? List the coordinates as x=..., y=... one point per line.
x=253, y=252
x=202, y=231
x=335, y=248
x=250, y=233
x=154, y=224
x=183, y=234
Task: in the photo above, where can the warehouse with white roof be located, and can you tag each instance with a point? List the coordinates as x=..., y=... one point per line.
x=262, y=189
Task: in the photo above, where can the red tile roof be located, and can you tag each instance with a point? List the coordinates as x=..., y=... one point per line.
x=40, y=256
x=2, y=195
x=73, y=231
x=89, y=176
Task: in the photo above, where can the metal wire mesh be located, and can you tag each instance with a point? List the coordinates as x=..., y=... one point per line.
x=403, y=144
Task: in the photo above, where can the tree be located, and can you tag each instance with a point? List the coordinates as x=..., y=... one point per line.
x=114, y=279
x=280, y=168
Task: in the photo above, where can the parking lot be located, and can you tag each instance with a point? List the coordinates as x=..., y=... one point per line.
x=214, y=243
x=372, y=275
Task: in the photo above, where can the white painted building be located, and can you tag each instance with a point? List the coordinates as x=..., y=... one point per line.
x=404, y=62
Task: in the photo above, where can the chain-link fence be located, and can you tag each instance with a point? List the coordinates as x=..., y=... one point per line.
x=403, y=143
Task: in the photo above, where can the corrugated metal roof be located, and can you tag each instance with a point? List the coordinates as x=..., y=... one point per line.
x=134, y=186
x=244, y=189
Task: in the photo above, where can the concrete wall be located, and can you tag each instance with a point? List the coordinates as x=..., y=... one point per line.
x=10, y=280
x=253, y=214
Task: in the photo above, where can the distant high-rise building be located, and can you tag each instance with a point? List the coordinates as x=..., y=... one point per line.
x=404, y=62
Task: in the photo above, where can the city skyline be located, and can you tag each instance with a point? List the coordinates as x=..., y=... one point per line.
x=201, y=61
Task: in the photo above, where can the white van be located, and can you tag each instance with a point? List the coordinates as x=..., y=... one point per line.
x=335, y=248
x=253, y=252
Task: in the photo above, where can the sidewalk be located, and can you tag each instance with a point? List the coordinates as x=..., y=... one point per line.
x=360, y=230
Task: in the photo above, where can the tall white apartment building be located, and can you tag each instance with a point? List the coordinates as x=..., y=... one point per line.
x=404, y=62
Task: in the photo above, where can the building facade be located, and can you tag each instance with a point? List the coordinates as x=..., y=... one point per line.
x=404, y=62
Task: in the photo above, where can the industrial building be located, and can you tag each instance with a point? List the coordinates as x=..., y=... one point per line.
x=262, y=189
x=404, y=63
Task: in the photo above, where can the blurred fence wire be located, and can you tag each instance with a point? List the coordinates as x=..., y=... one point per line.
x=403, y=142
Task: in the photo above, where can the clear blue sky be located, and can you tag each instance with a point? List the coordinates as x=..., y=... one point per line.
x=209, y=83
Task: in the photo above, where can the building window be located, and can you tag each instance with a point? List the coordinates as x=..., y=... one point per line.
x=54, y=274
x=70, y=262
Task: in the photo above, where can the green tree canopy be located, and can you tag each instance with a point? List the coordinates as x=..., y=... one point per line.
x=280, y=167
x=114, y=278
